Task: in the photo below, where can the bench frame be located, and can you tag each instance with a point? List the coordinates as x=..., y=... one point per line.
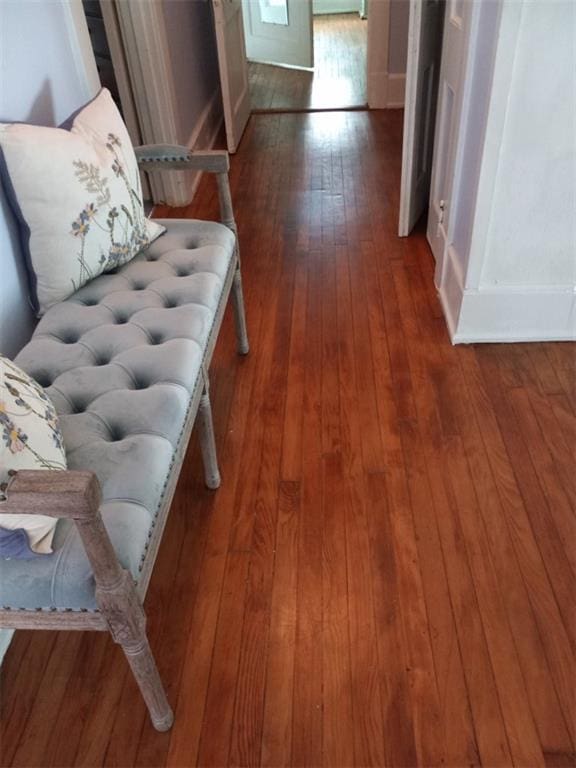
x=76, y=494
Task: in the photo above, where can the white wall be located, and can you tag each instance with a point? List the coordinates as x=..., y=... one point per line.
x=532, y=238
x=510, y=271
x=42, y=81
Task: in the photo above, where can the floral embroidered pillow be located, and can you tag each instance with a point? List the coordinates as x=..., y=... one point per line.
x=76, y=193
x=29, y=439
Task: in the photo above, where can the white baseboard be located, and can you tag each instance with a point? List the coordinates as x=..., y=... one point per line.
x=386, y=90
x=396, y=91
x=203, y=136
x=510, y=313
x=517, y=314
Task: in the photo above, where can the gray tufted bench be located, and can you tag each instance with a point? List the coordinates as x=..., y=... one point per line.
x=125, y=362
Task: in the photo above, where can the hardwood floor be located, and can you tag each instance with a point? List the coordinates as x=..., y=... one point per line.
x=339, y=77
x=386, y=576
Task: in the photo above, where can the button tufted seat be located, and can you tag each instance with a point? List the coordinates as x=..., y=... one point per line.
x=122, y=360
x=125, y=361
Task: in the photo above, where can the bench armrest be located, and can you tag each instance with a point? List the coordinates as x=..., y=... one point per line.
x=169, y=157
x=66, y=493
x=75, y=495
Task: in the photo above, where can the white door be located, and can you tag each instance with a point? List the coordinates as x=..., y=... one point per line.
x=423, y=67
x=459, y=18
x=279, y=32
x=233, y=68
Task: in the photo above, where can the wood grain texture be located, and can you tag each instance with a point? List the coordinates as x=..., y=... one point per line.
x=339, y=77
x=386, y=575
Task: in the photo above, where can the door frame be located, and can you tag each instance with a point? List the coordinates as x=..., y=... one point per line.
x=385, y=89
x=149, y=67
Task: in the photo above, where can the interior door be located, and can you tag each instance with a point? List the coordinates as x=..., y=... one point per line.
x=422, y=74
x=459, y=16
x=279, y=32
x=233, y=68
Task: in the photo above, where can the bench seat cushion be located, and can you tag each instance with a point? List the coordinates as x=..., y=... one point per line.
x=121, y=360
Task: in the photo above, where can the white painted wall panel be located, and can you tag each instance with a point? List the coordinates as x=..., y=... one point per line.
x=532, y=236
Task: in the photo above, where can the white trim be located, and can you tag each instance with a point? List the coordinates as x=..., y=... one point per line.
x=297, y=67
x=451, y=289
x=377, y=89
x=396, y=90
x=118, y=56
x=82, y=53
x=147, y=55
x=386, y=90
x=517, y=314
x=505, y=313
x=504, y=62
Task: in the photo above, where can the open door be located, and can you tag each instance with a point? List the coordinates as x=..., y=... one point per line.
x=233, y=68
x=422, y=73
x=279, y=32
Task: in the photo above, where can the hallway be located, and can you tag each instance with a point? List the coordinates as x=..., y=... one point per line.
x=339, y=77
x=385, y=577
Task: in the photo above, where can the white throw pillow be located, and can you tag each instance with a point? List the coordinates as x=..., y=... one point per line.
x=76, y=193
x=30, y=438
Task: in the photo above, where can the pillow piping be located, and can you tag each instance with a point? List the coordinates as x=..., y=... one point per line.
x=24, y=232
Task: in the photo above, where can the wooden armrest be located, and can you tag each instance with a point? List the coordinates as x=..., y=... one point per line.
x=169, y=157
x=75, y=495
x=67, y=493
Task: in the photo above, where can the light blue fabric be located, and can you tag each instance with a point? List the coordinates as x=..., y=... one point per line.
x=14, y=544
x=120, y=360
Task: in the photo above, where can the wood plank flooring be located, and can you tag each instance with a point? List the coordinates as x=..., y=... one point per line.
x=386, y=576
x=339, y=77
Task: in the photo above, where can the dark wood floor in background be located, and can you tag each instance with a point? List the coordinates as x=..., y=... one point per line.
x=339, y=77
x=386, y=576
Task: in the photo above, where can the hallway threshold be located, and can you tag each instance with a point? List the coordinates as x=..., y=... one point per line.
x=305, y=110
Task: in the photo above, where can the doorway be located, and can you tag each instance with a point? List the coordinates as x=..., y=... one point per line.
x=338, y=78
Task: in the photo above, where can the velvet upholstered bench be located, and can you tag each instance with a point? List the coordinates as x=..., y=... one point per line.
x=125, y=362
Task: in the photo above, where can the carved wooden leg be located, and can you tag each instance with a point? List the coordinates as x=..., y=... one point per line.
x=121, y=607
x=145, y=671
x=239, y=314
x=207, y=441
x=123, y=610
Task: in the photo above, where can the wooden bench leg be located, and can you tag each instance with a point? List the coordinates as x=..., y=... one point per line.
x=126, y=619
x=207, y=440
x=239, y=314
x=146, y=674
x=121, y=606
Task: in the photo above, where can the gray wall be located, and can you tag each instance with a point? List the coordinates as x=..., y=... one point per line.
x=192, y=41
x=40, y=82
x=398, y=36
